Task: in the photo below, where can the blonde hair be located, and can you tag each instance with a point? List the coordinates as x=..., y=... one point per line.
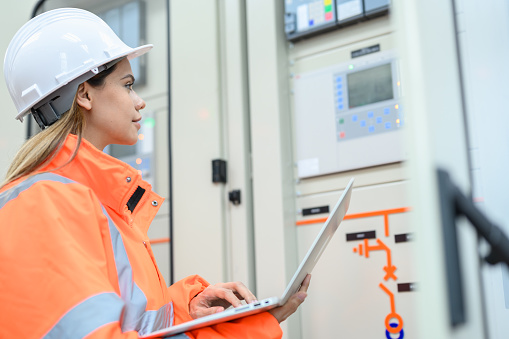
x=41, y=148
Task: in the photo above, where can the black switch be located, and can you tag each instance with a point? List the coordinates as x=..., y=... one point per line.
x=219, y=170
x=234, y=197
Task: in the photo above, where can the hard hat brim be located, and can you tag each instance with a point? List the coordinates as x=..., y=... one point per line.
x=139, y=51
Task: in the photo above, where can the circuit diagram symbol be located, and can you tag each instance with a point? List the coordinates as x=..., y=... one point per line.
x=365, y=249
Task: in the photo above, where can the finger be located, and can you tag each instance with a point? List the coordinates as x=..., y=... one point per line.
x=228, y=295
x=241, y=291
x=219, y=295
x=305, y=283
x=202, y=312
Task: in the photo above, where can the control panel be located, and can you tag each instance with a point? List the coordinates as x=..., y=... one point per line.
x=369, y=265
x=305, y=18
x=348, y=115
x=366, y=103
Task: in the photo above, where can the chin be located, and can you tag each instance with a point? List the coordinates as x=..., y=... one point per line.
x=132, y=140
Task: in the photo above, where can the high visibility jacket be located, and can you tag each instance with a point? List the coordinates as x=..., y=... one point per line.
x=76, y=261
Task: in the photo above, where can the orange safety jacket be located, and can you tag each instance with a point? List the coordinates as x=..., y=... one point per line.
x=76, y=261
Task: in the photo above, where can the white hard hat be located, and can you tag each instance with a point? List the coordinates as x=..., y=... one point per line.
x=52, y=54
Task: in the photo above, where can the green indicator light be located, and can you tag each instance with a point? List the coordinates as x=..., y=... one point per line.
x=350, y=67
x=341, y=121
x=149, y=122
x=328, y=8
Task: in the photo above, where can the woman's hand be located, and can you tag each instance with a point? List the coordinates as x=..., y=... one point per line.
x=216, y=298
x=283, y=312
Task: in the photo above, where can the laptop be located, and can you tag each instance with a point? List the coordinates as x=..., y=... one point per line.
x=306, y=266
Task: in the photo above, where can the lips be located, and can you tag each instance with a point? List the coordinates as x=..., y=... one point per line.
x=137, y=123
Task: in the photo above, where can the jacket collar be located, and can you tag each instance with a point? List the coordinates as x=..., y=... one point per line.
x=114, y=182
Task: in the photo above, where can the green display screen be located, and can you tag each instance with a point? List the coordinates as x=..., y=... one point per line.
x=370, y=85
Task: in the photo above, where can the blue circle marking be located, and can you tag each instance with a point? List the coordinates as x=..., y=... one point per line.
x=388, y=334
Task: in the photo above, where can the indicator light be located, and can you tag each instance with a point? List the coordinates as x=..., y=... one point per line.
x=141, y=137
x=149, y=122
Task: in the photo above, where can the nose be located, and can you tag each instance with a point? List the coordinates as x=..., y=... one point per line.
x=139, y=103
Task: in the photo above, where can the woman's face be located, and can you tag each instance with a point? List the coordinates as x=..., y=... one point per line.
x=112, y=110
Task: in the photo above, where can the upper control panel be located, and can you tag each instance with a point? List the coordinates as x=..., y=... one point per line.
x=304, y=18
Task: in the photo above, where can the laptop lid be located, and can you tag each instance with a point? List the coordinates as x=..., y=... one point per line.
x=322, y=240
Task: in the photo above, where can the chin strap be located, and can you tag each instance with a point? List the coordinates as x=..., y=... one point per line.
x=46, y=114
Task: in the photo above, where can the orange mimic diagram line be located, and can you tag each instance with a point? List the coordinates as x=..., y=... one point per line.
x=365, y=248
x=393, y=314
x=385, y=214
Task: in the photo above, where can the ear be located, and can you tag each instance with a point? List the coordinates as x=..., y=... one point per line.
x=82, y=96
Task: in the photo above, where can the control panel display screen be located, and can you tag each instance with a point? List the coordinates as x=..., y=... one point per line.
x=370, y=86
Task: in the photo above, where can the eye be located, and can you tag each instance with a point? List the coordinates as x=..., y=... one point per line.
x=129, y=86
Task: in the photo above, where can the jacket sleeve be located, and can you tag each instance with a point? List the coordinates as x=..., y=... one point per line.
x=182, y=292
x=258, y=326
x=57, y=273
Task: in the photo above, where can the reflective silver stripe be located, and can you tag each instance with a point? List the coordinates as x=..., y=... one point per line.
x=134, y=316
x=88, y=316
x=155, y=320
x=13, y=192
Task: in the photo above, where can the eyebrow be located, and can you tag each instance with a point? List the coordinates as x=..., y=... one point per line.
x=129, y=76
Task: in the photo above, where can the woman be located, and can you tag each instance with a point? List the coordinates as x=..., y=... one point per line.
x=75, y=259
